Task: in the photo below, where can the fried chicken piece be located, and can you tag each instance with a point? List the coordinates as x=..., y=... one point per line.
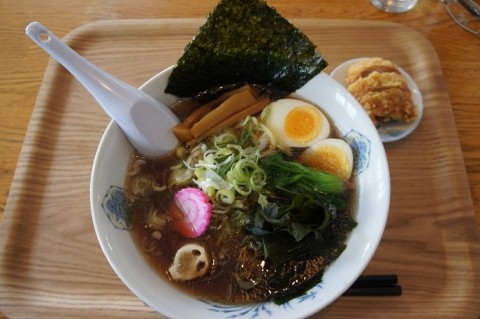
x=382, y=91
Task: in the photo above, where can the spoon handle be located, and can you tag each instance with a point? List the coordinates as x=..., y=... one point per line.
x=146, y=122
x=93, y=78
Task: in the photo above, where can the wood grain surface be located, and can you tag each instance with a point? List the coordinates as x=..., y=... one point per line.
x=51, y=264
x=23, y=63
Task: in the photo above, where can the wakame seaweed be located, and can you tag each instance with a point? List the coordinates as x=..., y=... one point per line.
x=245, y=41
x=311, y=217
x=299, y=290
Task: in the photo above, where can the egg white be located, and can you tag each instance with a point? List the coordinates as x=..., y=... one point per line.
x=275, y=117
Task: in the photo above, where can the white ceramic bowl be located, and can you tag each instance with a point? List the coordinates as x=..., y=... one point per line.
x=373, y=184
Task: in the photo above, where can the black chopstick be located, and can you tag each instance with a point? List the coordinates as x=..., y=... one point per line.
x=393, y=290
x=375, y=285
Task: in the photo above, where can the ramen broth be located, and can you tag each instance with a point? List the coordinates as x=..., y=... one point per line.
x=229, y=280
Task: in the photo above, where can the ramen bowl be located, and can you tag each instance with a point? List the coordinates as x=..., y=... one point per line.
x=372, y=180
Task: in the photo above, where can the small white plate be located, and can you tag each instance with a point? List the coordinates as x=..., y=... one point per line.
x=395, y=130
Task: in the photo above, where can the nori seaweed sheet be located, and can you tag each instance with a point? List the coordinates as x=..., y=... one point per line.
x=245, y=41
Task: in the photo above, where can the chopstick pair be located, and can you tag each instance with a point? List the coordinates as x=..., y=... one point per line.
x=375, y=285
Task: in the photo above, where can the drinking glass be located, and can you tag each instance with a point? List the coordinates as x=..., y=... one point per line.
x=394, y=6
x=462, y=16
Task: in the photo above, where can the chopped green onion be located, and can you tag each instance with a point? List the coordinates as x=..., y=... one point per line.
x=225, y=196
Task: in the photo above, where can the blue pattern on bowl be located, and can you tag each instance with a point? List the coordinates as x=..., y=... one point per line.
x=360, y=145
x=260, y=309
x=115, y=207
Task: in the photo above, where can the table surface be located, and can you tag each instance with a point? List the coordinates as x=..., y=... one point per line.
x=24, y=63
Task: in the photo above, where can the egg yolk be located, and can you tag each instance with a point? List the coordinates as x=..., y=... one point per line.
x=303, y=124
x=329, y=158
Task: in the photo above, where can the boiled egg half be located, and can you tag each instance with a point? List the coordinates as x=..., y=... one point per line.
x=332, y=155
x=295, y=123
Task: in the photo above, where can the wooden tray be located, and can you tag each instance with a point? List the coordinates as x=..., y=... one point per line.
x=51, y=265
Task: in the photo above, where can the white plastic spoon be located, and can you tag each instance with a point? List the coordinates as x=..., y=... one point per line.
x=146, y=122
